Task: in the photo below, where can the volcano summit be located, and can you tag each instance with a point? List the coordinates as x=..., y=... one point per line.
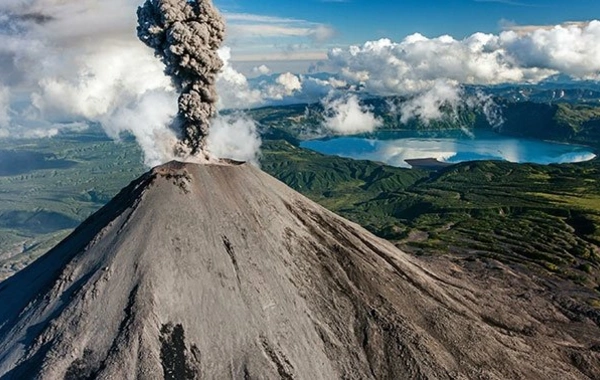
x=220, y=271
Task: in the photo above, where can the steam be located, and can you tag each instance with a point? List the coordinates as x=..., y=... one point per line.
x=347, y=116
x=58, y=81
x=152, y=111
x=186, y=35
x=235, y=137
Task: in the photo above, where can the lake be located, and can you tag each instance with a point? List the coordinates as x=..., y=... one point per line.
x=393, y=148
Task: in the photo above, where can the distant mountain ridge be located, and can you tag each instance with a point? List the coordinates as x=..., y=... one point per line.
x=548, y=120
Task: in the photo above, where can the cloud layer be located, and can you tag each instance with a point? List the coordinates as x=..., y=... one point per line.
x=431, y=71
x=65, y=63
x=259, y=37
x=415, y=64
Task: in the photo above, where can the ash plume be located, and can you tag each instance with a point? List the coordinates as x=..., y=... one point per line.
x=186, y=35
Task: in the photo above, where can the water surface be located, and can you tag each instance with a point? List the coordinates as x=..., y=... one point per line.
x=393, y=148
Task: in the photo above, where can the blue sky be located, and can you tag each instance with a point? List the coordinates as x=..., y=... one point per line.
x=360, y=20
x=357, y=21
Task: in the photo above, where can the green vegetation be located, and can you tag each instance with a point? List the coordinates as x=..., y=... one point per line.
x=49, y=186
x=545, y=217
x=559, y=122
x=345, y=186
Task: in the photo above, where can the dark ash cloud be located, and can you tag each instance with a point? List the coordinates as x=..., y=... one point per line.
x=186, y=36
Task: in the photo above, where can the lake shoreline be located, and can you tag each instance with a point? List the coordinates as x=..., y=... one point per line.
x=434, y=149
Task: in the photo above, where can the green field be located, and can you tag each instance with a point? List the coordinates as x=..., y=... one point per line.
x=49, y=186
x=544, y=217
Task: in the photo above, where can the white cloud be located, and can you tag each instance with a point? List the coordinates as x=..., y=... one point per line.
x=428, y=104
x=233, y=87
x=417, y=63
x=261, y=70
x=269, y=30
x=573, y=49
x=289, y=82
x=347, y=116
x=430, y=71
x=322, y=33
x=235, y=91
x=260, y=19
x=285, y=85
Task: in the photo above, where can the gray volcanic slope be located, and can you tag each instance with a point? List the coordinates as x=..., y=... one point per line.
x=221, y=271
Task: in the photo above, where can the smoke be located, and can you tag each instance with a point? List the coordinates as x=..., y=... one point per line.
x=186, y=35
x=235, y=137
x=347, y=116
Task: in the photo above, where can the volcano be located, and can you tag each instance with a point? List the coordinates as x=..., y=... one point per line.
x=221, y=271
